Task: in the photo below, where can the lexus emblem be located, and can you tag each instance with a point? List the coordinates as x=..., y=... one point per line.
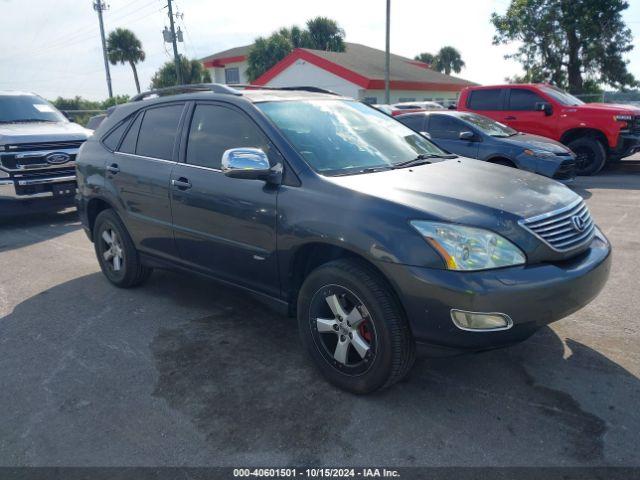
x=578, y=223
x=58, y=158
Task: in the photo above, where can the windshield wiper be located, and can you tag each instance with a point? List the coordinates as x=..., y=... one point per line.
x=29, y=120
x=422, y=159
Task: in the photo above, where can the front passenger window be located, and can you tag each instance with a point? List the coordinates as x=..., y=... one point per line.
x=215, y=129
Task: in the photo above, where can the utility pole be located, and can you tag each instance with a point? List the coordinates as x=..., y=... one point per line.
x=99, y=6
x=176, y=58
x=387, y=96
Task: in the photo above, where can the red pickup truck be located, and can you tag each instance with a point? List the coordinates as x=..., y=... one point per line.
x=596, y=132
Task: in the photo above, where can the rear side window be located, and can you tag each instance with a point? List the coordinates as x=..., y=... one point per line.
x=215, y=129
x=112, y=139
x=128, y=145
x=522, y=99
x=414, y=122
x=445, y=127
x=158, y=132
x=485, y=99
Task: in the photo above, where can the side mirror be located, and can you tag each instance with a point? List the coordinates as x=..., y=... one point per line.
x=249, y=164
x=468, y=136
x=426, y=134
x=544, y=107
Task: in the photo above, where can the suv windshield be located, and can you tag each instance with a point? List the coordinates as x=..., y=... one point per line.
x=488, y=126
x=338, y=137
x=561, y=96
x=16, y=108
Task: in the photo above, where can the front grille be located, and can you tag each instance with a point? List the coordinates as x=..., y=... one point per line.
x=566, y=170
x=27, y=147
x=565, y=229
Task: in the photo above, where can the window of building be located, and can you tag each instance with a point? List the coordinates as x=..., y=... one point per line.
x=406, y=99
x=522, y=99
x=215, y=129
x=370, y=100
x=158, y=132
x=231, y=75
x=485, y=99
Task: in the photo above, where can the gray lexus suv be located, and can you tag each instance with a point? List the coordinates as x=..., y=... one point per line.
x=380, y=243
x=38, y=147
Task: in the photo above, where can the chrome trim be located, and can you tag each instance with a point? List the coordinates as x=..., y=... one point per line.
x=46, y=180
x=145, y=158
x=44, y=153
x=559, y=223
x=481, y=330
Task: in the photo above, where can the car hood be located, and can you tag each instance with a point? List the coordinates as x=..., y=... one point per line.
x=41, y=132
x=465, y=191
x=526, y=140
x=609, y=108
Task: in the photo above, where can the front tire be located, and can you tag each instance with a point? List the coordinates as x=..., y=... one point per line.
x=353, y=328
x=117, y=256
x=590, y=155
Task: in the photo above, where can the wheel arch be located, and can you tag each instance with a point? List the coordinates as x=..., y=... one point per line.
x=575, y=133
x=501, y=158
x=310, y=256
x=94, y=207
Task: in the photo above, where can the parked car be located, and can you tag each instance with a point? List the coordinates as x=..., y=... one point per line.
x=476, y=136
x=343, y=217
x=417, y=106
x=38, y=147
x=596, y=132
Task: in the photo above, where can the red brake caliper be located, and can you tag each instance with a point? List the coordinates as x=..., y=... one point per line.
x=364, y=331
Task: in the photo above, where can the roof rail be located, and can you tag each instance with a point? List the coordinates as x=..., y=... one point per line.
x=190, y=88
x=304, y=88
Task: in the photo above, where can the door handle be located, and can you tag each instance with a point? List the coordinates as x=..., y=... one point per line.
x=181, y=184
x=113, y=168
x=510, y=117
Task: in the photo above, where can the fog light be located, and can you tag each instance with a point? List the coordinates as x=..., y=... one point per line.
x=478, y=321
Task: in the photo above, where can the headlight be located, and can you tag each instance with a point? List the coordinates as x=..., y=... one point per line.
x=538, y=153
x=468, y=248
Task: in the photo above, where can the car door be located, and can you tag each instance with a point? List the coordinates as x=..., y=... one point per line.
x=445, y=132
x=140, y=172
x=521, y=113
x=225, y=226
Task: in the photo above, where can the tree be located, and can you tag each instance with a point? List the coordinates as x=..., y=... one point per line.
x=192, y=72
x=425, y=57
x=448, y=59
x=124, y=47
x=573, y=44
x=321, y=33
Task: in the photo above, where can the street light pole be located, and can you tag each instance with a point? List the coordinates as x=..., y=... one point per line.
x=387, y=96
x=99, y=6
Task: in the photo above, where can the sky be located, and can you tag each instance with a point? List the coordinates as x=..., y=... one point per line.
x=52, y=47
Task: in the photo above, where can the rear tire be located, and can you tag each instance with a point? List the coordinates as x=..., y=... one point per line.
x=117, y=256
x=590, y=155
x=346, y=311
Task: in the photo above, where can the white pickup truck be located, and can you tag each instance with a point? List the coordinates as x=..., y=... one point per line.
x=38, y=147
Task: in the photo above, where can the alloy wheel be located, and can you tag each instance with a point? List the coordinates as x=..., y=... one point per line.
x=343, y=329
x=112, y=251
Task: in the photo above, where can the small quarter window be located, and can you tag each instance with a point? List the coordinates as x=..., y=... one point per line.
x=128, y=145
x=112, y=139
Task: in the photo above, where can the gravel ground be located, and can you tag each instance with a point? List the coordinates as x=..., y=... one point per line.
x=185, y=372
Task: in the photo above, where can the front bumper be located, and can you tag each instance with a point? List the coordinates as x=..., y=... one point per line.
x=33, y=193
x=532, y=296
x=628, y=144
x=558, y=167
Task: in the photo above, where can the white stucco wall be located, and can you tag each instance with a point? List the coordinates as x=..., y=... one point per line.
x=217, y=73
x=302, y=73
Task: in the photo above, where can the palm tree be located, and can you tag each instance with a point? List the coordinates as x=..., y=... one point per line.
x=124, y=47
x=425, y=57
x=448, y=59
